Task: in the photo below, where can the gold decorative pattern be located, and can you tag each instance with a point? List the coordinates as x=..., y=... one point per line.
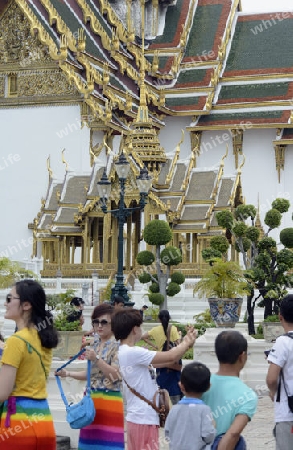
x=32, y=83
x=175, y=159
x=280, y=159
x=237, y=138
x=17, y=45
x=2, y=85
x=195, y=138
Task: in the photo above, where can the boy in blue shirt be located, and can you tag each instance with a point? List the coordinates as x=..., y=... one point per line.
x=189, y=425
x=232, y=402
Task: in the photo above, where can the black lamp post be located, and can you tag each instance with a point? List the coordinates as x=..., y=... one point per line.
x=144, y=182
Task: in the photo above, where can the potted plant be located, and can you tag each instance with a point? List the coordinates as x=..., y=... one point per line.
x=70, y=331
x=272, y=328
x=223, y=284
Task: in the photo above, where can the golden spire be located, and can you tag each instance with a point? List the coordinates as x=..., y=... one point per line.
x=143, y=138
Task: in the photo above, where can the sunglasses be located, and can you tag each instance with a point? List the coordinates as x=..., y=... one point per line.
x=10, y=297
x=102, y=322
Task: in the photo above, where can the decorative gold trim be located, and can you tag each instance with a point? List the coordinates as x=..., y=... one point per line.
x=280, y=158
x=175, y=159
x=237, y=140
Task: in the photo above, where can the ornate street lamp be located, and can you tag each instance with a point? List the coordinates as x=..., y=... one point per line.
x=144, y=182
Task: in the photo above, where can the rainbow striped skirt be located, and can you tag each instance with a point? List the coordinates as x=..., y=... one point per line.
x=26, y=424
x=107, y=430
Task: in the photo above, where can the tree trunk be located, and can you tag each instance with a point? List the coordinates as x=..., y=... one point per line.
x=250, y=314
x=268, y=307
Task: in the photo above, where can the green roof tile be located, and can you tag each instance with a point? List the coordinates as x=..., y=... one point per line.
x=74, y=25
x=172, y=17
x=193, y=75
x=253, y=91
x=255, y=49
x=203, y=31
x=182, y=101
x=241, y=116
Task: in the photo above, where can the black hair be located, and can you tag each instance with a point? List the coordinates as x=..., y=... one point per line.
x=286, y=308
x=164, y=317
x=118, y=299
x=124, y=321
x=100, y=310
x=1, y=338
x=77, y=301
x=32, y=292
x=195, y=377
x=229, y=345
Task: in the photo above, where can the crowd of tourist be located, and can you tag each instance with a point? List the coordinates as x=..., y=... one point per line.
x=209, y=411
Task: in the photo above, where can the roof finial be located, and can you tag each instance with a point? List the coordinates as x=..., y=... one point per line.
x=49, y=168
x=64, y=161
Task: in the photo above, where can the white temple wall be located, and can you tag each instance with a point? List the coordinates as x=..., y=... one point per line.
x=28, y=137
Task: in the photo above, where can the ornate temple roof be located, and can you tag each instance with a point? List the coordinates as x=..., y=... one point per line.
x=214, y=59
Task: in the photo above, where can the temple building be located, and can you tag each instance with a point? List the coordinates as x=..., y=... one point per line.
x=196, y=91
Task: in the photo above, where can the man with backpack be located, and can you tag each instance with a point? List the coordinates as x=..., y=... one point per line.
x=280, y=378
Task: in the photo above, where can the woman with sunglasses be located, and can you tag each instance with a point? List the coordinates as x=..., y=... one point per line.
x=26, y=422
x=107, y=429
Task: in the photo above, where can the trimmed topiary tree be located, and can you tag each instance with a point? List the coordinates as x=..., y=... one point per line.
x=267, y=268
x=157, y=265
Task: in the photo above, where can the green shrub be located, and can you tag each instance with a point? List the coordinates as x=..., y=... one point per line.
x=173, y=289
x=177, y=277
x=156, y=298
x=144, y=278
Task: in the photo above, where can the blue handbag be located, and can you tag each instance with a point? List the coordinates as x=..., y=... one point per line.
x=80, y=414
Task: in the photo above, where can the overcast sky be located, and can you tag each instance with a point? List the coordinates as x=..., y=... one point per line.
x=267, y=5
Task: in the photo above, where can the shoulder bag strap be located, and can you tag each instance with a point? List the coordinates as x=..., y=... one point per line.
x=281, y=377
x=168, y=335
x=30, y=347
x=152, y=404
x=88, y=385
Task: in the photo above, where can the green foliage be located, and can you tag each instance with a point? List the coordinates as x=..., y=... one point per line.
x=157, y=232
x=11, y=271
x=239, y=229
x=267, y=243
x=210, y=254
x=272, y=318
x=156, y=298
x=273, y=218
x=173, y=289
x=177, y=277
x=286, y=237
x=281, y=204
x=171, y=256
x=225, y=219
x=244, y=212
x=253, y=234
x=145, y=258
x=144, y=278
x=154, y=287
x=61, y=304
x=220, y=244
x=224, y=279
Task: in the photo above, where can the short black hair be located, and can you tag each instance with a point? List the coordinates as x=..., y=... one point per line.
x=124, y=321
x=229, y=345
x=77, y=301
x=195, y=377
x=286, y=308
